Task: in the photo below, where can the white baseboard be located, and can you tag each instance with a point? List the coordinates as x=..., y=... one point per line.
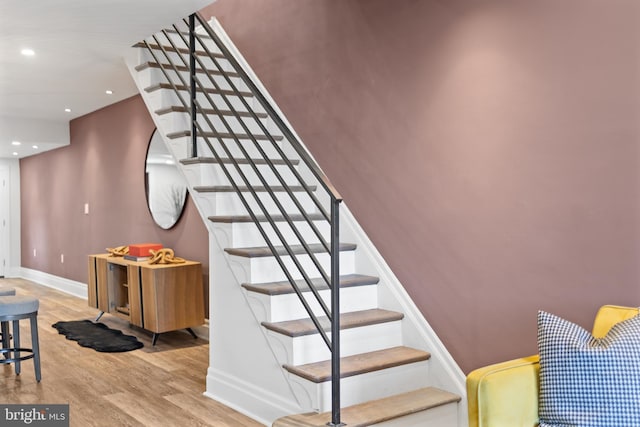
x=254, y=402
x=71, y=287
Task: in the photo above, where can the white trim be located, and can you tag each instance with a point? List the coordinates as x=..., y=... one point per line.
x=5, y=219
x=13, y=242
x=68, y=286
x=254, y=402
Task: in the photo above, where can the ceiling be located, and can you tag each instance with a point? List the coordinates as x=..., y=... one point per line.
x=79, y=47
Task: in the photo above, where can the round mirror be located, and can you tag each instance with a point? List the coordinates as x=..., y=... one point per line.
x=165, y=186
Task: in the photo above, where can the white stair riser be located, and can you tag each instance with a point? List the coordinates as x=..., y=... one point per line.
x=279, y=308
x=362, y=388
x=312, y=348
x=267, y=269
x=178, y=121
x=228, y=203
x=214, y=174
x=173, y=122
x=154, y=75
x=164, y=98
x=240, y=150
x=181, y=40
x=181, y=148
x=244, y=126
x=176, y=58
x=245, y=234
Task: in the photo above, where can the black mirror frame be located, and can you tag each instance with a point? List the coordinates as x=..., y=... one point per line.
x=146, y=188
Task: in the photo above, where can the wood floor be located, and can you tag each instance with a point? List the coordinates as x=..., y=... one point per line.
x=153, y=386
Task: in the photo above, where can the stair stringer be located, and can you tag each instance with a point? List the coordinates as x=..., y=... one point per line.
x=391, y=293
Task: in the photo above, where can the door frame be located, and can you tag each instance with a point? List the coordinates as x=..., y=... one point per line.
x=5, y=215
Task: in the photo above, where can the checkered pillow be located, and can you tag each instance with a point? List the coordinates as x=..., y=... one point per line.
x=587, y=381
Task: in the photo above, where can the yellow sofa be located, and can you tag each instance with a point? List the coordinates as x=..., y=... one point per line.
x=506, y=394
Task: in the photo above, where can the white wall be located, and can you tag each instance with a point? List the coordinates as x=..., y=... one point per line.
x=11, y=245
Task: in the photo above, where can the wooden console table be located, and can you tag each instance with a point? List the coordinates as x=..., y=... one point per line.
x=156, y=297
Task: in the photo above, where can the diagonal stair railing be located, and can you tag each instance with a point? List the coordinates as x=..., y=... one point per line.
x=194, y=60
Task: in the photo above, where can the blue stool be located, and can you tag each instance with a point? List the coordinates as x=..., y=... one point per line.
x=13, y=309
x=4, y=327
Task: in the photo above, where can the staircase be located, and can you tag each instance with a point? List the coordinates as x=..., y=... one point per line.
x=280, y=242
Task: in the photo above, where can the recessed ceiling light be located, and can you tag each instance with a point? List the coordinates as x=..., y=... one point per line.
x=15, y=142
x=27, y=52
x=108, y=92
x=67, y=110
x=15, y=154
x=35, y=147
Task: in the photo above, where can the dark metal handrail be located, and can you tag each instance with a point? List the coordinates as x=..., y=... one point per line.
x=198, y=115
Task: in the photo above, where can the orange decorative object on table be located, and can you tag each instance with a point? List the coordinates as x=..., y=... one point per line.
x=142, y=249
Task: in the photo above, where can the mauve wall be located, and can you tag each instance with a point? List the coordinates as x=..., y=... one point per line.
x=103, y=166
x=490, y=149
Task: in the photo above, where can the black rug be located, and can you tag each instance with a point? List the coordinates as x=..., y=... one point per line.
x=97, y=336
